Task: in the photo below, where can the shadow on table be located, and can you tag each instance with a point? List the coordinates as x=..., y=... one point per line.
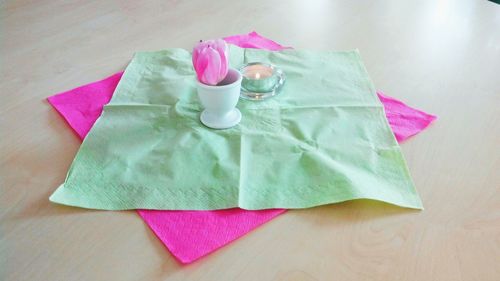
x=354, y=211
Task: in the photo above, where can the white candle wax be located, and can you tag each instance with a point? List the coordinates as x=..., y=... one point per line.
x=258, y=72
x=258, y=77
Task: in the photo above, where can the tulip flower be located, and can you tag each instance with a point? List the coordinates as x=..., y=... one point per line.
x=210, y=61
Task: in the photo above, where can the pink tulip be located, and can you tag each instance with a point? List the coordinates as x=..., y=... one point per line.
x=210, y=61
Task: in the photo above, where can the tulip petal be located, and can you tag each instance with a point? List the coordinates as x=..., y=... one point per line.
x=211, y=75
x=200, y=63
x=223, y=51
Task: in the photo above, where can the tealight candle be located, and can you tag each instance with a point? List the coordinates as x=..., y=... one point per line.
x=258, y=77
x=261, y=81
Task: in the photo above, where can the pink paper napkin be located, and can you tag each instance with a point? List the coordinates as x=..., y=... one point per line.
x=190, y=235
x=82, y=106
x=404, y=120
x=254, y=41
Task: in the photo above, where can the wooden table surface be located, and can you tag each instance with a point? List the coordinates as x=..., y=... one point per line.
x=440, y=56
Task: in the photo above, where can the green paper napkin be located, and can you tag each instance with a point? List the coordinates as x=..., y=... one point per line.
x=325, y=139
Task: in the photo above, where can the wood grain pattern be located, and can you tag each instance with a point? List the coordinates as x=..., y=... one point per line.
x=441, y=56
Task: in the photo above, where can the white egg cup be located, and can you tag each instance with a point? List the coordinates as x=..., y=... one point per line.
x=220, y=101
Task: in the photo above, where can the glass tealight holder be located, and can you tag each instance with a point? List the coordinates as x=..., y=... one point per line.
x=261, y=81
